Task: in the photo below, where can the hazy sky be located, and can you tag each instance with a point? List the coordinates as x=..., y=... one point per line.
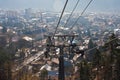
x=57, y=5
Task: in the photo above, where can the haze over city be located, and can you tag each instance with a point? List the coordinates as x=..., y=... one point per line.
x=57, y=5
x=48, y=40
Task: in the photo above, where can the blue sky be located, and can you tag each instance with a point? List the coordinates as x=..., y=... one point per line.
x=57, y=5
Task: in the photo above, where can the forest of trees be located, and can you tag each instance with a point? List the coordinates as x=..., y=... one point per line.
x=105, y=64
x=5, y=65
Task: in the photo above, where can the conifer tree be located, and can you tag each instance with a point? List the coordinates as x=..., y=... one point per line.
x=84, y=70
x=5, y=65
x=91, y=52
x=110, y=57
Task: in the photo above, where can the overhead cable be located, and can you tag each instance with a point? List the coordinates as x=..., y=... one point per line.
x=72, y=12
x=60, y=17
x=81, y=14
x=99, y=46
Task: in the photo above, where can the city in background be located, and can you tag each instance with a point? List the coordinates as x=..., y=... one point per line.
x=31, y=40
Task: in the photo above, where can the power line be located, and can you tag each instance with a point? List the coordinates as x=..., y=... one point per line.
x=60, y=17
x=81, y=14
x=71, y=13
x=99, y=46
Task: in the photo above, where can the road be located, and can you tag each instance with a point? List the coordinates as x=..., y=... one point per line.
x=29, y=60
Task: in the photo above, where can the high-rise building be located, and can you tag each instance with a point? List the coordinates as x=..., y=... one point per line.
x=28, y=13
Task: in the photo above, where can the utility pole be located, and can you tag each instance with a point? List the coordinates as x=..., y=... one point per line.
x=62, y=46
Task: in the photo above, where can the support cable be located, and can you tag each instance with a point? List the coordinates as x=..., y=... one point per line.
x=60, y=18
x=99, y=46
x=81, y=14
x=71, y=13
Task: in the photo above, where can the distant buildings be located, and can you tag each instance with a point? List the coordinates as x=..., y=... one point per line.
x=28, y=28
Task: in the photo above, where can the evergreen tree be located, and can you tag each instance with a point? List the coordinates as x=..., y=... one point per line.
x=111, y=45
x=96, y=63
x=5, y=65
x=91, y=52
x=84, y=70
x=116, y=74
x=96, y=59
x=111, y=58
